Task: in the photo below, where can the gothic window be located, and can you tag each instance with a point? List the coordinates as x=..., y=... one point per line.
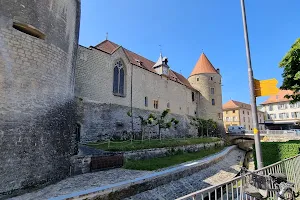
x=119, y=79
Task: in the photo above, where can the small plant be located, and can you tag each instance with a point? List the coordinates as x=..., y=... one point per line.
x=163, y=124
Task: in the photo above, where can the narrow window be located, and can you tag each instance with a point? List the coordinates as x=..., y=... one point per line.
x=168, y=105
x=119, y=79
x=212, y=90
x=195, y=113
x=155, y=104
x=193, y=96
x=213, y=102
x=211, y=78
x=28, y=29
x=220, y=115
x=197, y=79
x=243, y=112
x=233, y=111
x=244, y=119
x=146, y=101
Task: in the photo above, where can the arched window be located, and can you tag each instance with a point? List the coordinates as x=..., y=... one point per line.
x=119, y=79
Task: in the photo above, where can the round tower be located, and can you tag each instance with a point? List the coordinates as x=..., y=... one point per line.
x=38, y=44
x=207, y=80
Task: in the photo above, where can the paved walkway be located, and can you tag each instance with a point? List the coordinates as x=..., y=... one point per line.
x=83, y=182
x=219, y=172
x=216, y=174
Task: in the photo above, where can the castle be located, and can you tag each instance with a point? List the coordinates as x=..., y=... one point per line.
x=52, y=91
x=110, y=80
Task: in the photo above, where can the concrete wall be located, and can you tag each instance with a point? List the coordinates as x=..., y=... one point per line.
x=36, y=92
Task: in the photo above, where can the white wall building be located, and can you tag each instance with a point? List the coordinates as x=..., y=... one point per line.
x=280, y=113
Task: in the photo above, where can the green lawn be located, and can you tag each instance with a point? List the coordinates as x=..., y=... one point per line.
x=158, y=163
x=146, y=144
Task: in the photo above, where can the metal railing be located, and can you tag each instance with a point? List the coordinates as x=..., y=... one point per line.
x=233, y=189
x=273, y=132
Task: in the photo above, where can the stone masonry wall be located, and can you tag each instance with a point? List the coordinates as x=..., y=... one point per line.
x=110, y=121
x=94, y=82
x=36, y=92
x=161, y=152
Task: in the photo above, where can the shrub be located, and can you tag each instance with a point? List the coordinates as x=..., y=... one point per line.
x=273, y=152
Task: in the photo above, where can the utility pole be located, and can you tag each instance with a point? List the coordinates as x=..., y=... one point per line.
x=252, y=93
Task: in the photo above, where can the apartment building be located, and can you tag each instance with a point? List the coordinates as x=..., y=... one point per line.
x=237, y=113
x=280, y=114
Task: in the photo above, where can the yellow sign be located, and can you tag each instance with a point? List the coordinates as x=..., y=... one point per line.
x=265, y=87
x=255, y=131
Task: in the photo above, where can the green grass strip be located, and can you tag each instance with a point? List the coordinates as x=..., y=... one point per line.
x=147, y=144
x=158, y=163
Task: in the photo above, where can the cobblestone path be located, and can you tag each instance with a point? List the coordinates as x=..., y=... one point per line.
x=218, y=173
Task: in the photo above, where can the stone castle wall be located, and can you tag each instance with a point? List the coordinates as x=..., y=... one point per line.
x=203, y=83
x=94, y=82
x=37, y=118
x=110, y=121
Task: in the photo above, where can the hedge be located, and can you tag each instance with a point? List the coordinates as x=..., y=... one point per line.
x=273, y=152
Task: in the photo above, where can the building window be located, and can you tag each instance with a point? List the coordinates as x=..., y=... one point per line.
x=213, y=102
x=155, y=104
x=188, y=110
x=233, y=111
x=244, y=119
x=220, y=115
x=146, y=101
x=235, y=119
x=243, y=112
x=193, y=96
x=212, y=90
x=197, y=79
x=119, y=79
x=211, y=78
x=248, y=112
x=168, y=105
x=270, y=107
x=195, y=113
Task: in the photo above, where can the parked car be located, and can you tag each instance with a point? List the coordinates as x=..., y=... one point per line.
x=297, y=131
x=237, y=129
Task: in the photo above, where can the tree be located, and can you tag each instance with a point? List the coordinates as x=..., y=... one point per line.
x=144, y=121
x=163, y=124
x=291, y=73
x=210, y=126
x=199, y=124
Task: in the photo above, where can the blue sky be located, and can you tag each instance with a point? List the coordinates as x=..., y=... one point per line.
x=184, y=28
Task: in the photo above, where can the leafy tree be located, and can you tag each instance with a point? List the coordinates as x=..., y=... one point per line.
x=163, y=123
x=144, y=121
x=209, y=126
x=199, y=124
x=291, y=73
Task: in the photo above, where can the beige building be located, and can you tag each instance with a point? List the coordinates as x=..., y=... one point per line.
x=236, y=113
x=280, y=113
x=112, y=80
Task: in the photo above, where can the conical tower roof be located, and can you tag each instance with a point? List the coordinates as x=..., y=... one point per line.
x=203, y=65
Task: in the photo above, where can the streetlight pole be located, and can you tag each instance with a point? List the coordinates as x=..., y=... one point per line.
x=252, y=93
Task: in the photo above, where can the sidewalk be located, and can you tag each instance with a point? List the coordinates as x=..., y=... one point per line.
x=118, y=178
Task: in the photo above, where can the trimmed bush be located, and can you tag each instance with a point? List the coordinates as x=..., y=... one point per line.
x=273, y=152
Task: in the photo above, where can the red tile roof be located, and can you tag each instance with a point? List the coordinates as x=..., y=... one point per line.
x=110, y=47
x=279, y=97
x=203, y=65
x=231, y=104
